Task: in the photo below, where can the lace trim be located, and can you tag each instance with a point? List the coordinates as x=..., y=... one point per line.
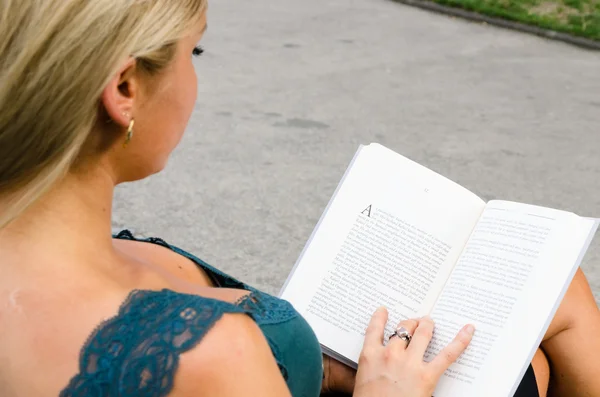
x=136, y=353
x=266, y=309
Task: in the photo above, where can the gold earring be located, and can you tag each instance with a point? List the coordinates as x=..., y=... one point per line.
x=129, y=133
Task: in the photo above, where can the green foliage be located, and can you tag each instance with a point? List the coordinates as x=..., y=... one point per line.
x=577, y=17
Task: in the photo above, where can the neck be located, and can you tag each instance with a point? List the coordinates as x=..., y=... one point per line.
x=70, y=225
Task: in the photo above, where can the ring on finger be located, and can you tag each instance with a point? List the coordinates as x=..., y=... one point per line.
x=401, y=333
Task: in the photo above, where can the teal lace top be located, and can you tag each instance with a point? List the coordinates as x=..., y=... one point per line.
x=136, y=353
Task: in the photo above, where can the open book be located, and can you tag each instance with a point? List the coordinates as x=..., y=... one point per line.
x=397, y=234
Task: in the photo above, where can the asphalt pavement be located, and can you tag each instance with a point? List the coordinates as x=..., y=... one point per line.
x=289, y=89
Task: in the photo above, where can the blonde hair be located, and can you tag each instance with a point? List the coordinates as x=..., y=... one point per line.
x=57, y=57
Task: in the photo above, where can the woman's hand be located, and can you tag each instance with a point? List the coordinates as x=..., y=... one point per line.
x=398, y=369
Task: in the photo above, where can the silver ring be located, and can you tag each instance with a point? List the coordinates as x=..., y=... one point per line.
x=402, y=333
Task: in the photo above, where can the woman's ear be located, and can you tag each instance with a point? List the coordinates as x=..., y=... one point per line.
x=121, y=93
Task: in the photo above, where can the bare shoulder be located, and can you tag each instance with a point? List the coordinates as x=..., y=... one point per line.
x=163, y=258
x=233, y=359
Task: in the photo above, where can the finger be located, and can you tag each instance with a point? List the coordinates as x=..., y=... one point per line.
x=374, y=332
x=451, y=352
x=421, y=337
x=410, y=325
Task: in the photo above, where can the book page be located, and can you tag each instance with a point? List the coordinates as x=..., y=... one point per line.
x=508, y=282
x=389, y=237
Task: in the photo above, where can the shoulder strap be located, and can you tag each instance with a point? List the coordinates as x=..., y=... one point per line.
x=220, y=278
x=136, y=353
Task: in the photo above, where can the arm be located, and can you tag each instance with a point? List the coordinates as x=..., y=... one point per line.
x=572, y=344
x=233, y=359
x=337, y=377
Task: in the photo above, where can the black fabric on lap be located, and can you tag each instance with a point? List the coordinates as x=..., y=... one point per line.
x=528, y=386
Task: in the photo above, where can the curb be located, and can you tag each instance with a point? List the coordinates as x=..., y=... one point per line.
x=503, y=23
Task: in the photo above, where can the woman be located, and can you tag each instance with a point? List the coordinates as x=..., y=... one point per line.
x=96, y=93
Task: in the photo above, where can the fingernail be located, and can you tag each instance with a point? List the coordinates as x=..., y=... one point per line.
x=380, y=309
x=470, y=329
